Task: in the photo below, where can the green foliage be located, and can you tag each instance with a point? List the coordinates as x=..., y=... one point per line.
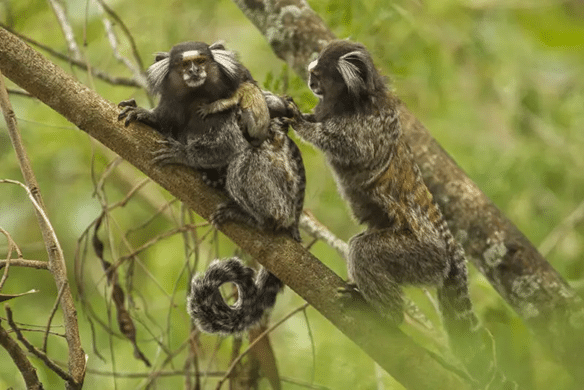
x=499, y=84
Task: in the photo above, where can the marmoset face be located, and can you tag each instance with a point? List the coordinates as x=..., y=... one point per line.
x=193, y=68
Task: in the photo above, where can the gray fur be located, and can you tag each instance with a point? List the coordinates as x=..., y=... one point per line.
x=350, y=72
x=407, y=241
x=265, y=183
x=208, y=309
x=266, y=190
x=184, y=89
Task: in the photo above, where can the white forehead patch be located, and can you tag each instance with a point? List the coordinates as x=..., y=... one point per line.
x=189, y=55
x=312, y=65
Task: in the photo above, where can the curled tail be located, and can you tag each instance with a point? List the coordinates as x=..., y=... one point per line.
x=212, y=314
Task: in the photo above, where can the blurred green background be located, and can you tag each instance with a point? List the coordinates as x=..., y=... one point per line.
x=500, y=84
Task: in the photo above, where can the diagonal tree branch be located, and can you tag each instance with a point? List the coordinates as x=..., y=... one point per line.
x=405, y=360
x=515, y=268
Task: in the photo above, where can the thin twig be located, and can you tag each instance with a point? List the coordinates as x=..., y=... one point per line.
x=124, y=81
x=53, y=311
x=140, y=375
x=38, y=208
x=109, y=29
x=130, y=194
x=109, y=169
x=559, y=232
x=32, y=349
x=66, y=28
x=19, y=358
x=120, y=22
x=57, y=266
x=154, y=240
x=11, y=246
x=251, y=345
x=312, y=226
x=38, y=264
x=19, y=92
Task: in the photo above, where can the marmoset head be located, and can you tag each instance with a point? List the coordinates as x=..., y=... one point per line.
x=344, y=73
x=191, y=65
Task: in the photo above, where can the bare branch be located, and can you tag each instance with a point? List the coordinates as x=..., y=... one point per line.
x=51, y=316
x=38, y=264
x=316, y=229
x=11, y=246
x=32, y=349
x=66, y=28
x=78, y=63
x=560, y=231
x=19, y=358
x=6, y=297
x=138, y=71
x=109, y=29
x=55, y=253
x=257, y=340
x=18, y=92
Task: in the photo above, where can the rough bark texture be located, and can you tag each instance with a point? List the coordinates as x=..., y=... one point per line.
x=495, y=246
x=405, y=360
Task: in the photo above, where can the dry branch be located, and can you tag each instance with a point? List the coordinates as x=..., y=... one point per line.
x=57, y=264
x=38, y=264
x=405, y=360
x=19, y=358
x=38, y=353
x=515, y=268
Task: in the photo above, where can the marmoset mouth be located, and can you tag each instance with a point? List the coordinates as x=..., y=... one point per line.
x=194, y=77
x=194, y=81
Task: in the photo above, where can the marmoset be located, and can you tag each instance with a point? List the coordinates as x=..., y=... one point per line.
x=190, y=76
x=266, y=188
x=266, y=185
x=209, y=106
x=407, y=242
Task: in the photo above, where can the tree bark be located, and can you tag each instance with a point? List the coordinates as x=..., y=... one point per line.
x=522, y=276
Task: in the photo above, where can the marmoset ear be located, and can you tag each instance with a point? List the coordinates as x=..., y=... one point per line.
x=226, y=59
x=353, y=68
x=158, y=71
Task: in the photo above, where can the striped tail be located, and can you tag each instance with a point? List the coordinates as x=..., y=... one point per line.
x=212, y=314
x=453, y=296
x=296, y=157
x=471, y=343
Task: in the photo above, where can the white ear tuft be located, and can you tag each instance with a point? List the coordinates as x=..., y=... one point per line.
x=312, y=65
x=157, y=72
x=350, y=72
x=226, y=59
